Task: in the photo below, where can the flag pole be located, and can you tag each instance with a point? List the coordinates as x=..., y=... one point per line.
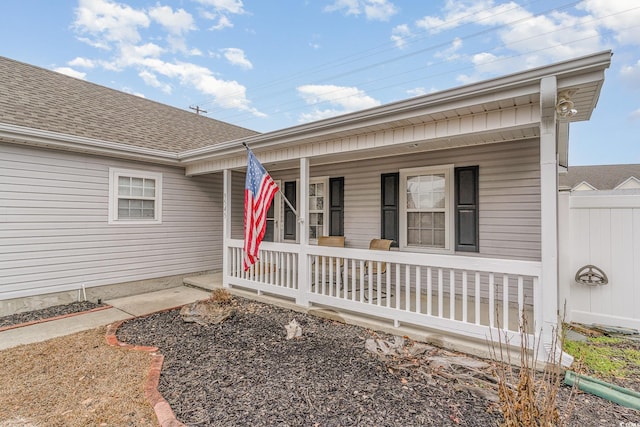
x=279, y=190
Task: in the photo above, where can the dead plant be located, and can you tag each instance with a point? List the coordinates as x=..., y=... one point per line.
x=528, y=396
x=221, y=297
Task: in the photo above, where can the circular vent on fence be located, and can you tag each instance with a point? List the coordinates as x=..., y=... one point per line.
x=591, y=275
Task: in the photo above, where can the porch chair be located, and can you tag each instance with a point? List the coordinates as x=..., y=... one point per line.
x=378, y=245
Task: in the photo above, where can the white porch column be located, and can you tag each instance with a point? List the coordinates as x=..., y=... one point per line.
x=226, y=225
x=304, y=278
x=546, y=306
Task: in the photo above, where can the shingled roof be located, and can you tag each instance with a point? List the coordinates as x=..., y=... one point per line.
x=601, y=177
x=38, y=98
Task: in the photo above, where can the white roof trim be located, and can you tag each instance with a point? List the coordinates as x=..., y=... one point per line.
x=60, y=141
x=588, y=186
x=630, y=183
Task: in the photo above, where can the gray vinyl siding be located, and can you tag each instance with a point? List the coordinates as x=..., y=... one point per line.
x=54, y=231
x=509, y=192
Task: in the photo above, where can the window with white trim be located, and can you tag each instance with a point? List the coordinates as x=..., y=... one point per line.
x=135, y=197
x=318, y=207
x=426, y=208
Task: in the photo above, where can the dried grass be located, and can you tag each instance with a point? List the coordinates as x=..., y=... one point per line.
x=528, y=397
x=76, y=380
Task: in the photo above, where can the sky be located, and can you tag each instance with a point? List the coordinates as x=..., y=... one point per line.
x=268, y=65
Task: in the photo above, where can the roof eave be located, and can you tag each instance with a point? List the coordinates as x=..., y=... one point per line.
x=53, y=140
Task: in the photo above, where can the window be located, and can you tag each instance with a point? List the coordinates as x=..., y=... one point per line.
x=317, y=208
x=425, y=203
x=326, y=208
x=433, y=209
x=135, y=197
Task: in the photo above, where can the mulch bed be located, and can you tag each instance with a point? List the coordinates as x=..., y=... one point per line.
x=244, y=372
x=47, y=313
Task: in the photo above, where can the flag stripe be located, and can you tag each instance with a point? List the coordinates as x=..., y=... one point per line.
x=259, y=191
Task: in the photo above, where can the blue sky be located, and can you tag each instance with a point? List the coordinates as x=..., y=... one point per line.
x=267, y=65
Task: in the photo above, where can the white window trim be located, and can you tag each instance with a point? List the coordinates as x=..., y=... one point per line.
x=325, y=207
x=448, y=216
x=114, y=174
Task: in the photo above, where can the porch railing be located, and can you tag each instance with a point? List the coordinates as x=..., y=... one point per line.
x=457, y=294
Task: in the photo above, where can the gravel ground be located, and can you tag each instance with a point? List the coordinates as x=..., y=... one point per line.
x=244, y=372
x=47, y=313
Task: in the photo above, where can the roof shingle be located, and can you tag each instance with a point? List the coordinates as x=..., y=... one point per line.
x=37, y=98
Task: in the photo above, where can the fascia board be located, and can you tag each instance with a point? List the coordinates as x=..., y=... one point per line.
x=59, y=141
x=472, y=94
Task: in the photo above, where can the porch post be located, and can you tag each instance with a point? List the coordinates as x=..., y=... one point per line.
x=303, y=208
x=546, y=306
x=226, y=225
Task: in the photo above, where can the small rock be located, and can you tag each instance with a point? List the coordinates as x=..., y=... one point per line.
x=293, y=330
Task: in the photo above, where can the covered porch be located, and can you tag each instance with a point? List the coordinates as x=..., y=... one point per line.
x=465, y=269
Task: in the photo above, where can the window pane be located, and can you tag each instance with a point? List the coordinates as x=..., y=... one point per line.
x=124, y=186
x=149, y=188
x=313, y=219
x=312, y=232
x=438, y=199
x=439, y=238
x=136, y=186
x=426, y=237
x=312, y=190
x=320, y=189
x=320, y=219
x=320, y=203
x=413, y=237
x=413, y=219
x=438, y=220
x=426, y=220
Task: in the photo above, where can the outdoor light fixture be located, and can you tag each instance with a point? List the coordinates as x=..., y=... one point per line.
x=564, y=107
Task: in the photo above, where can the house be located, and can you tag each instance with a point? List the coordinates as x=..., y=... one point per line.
x=600, y=177
x=463, y=182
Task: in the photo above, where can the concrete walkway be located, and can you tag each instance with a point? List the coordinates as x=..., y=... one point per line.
x=122, y=308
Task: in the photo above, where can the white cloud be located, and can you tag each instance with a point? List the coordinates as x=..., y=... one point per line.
x=417, y=91
x=400, y=34
x=152, y=80
x=635, y=115
x=617, y=16
x=177, y=23
x=82, y=62
x=108, y=22
x=343, y=99
x=223, y=22
x=237, y=57
x=118, y=27
x=451, y=52
x=374, y=10
x=631, y=74
x=71, y=72
x=229, y=6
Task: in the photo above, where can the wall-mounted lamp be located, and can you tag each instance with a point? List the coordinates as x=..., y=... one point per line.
x=564, y=107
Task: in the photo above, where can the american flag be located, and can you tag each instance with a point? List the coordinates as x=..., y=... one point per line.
x=259, y=189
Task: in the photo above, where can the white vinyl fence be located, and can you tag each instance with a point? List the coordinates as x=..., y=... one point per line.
x=601, y=229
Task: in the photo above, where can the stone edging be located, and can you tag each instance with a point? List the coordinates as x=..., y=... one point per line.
x=162, y=409
x=50, y=319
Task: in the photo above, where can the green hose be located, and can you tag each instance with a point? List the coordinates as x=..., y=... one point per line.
x=620, y=395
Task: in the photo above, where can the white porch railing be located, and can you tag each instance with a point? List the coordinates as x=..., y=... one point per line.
x=455, y=294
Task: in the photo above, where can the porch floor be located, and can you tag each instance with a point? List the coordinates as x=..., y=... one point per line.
x=450, y=341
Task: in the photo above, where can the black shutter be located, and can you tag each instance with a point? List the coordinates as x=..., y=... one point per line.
x=389, y=189
x=290, y=222
x=336, y=206
x=466, y=211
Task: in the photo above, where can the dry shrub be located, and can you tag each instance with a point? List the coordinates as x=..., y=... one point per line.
x=221, y=297
x=528, y=396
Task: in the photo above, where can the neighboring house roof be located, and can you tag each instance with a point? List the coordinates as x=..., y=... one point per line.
x=600, y=177
x=37, y=98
